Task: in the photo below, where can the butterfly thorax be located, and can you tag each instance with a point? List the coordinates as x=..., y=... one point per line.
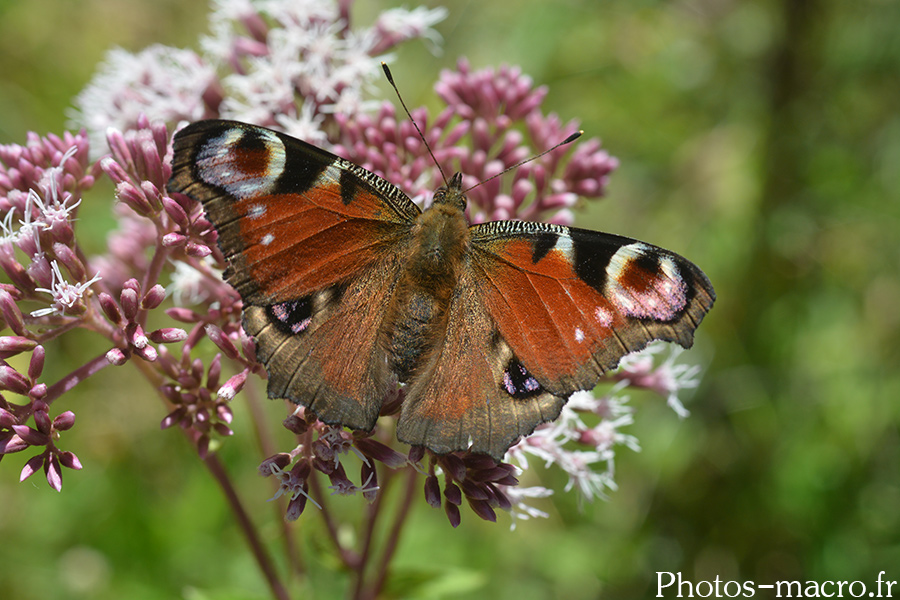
x=417, y=318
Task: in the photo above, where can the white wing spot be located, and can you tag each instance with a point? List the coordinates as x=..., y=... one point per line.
x=603, y=316
x=256, y=211
x=564, y=245
x=267, y=239
x=579, y=334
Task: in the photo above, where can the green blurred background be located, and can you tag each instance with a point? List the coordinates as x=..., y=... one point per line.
x=760, y=139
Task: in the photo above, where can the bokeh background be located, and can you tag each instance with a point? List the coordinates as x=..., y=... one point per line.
x=760, y=139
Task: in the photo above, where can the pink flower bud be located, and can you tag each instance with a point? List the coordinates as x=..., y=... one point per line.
x=11, y=345
x=234, y=385
x=116, y=357
x=70, y=260
x=453, y=493
x=133, y=198
x=416, y=454
x=203, y=446
x=53, y=473
x=175, y=212
x=452, y=512
x=36, y=364
x=168, y=335
x=483, y=510
x=42, y=417
x=173, y=417
x=11, y=443
x=7, y=419
x=148, y=353
x=433, y=491
x=129, y=301
x=134, y=333
x=110, y=308
x=31, y=467
x=473, y=491
x=154, y=297
x=223, y=411
x=113, y=170
x=70, y=461
x=64, y=421
x=275, y=463
x=151, y=192
x=295, y=507
x=453, y=466
x=31, y=436
x=12, y=380
x=221, y=340
x=184, y=315
x=197, y=250
x=173, y=239
x=380, y=452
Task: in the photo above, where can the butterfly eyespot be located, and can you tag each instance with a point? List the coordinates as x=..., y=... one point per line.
x=293, y=316
x=645, y=285
x=518, y=382
x=246, y=164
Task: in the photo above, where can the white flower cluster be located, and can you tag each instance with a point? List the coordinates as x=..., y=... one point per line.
x=586, y=453
x=283, y=63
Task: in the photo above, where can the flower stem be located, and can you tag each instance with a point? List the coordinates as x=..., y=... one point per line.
x=75, y=377
x=259, y=552
x=393, y=540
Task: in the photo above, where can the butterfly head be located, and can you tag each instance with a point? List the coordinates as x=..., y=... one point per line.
x=452, y=194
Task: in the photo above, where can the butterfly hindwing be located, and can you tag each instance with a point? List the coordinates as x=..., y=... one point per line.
x=324, y=351
x=312, y=244
x=572, y=302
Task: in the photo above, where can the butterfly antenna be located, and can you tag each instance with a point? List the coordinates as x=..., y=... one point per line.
x=390, y=78
x=568, y=140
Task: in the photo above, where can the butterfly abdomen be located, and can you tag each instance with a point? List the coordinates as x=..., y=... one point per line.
x=417, y=318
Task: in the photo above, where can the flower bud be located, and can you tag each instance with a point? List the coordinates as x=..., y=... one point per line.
x=70, y=461
x=153, y=297
x=12, y=380
x=54, y=473
x=64, y=421
x=110, y=308
x=31, y=467
x=129, y=301
x=116, y=357
x=168, y=335
x=433, y=491
x=36, y=364
x=221, y=340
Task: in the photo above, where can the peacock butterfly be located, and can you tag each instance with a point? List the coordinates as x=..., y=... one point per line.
x=347, y=285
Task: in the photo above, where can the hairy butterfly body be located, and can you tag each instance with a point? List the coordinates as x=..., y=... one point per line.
x=348, y=286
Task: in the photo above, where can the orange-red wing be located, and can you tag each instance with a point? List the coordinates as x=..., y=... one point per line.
x=571, y=303
x=292, y=219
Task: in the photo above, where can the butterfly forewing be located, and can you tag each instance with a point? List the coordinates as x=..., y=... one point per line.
x=291, y=217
